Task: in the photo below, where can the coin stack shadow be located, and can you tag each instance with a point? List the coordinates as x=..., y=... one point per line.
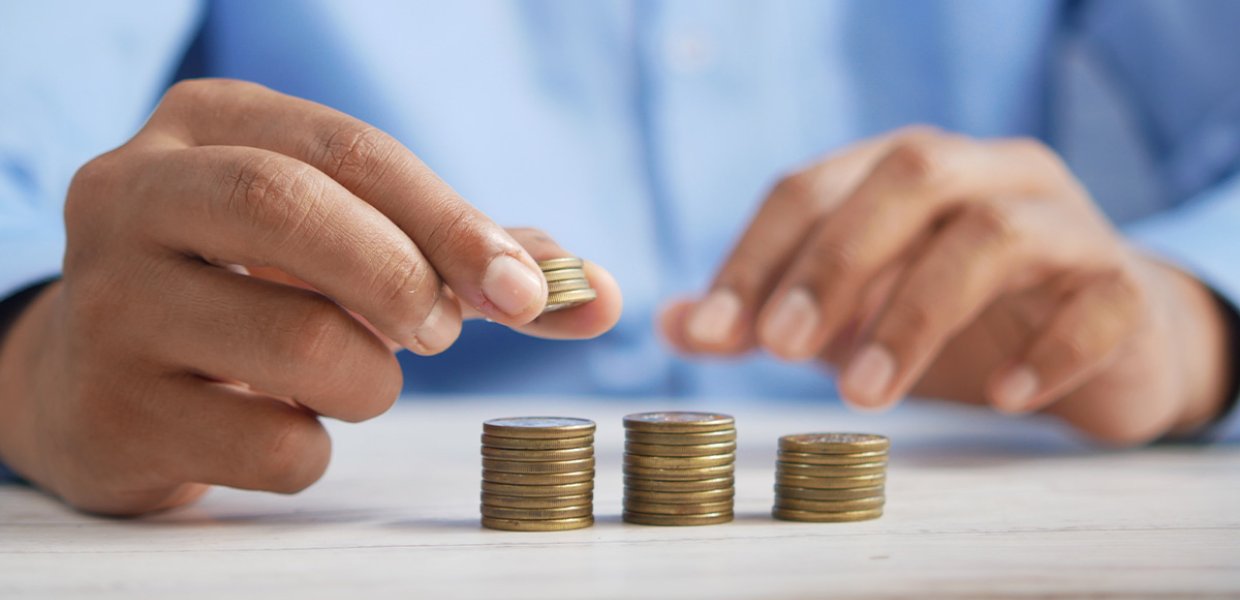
x=538, y=473
x=567, y=285
x=830, y=477
x=678, y=468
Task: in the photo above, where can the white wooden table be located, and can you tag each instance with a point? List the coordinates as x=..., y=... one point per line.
x=978, y=506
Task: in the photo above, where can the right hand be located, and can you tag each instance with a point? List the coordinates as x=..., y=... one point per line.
x=158, y=366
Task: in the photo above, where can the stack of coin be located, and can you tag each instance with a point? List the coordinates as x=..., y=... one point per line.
x=830, y=477
x=567, y=285
x=538, y=473
x=678, y=468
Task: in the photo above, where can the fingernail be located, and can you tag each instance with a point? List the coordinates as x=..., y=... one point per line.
x=715, y=317
x=791, y=325
x=869, y=374
x=511, y=286
x=437, y=331
x=1016, y=390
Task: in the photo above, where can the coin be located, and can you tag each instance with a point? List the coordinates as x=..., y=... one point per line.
x=680, y=439
x=562, y=300
x=654, y=485
x=679, y=462
x=540, y=428
x=830, y=483
x=514, y=443
x=653, y=508
x=830, y=471
x=830, y=505
x=667, y=450
x=680, y=474
x=559, y=466
x=834, y=443
x=707, y=519
x=499, y=512
x=723, y=493
x=788, y=514
x=832, y=459
x=564, y=274
x=536, y=501
x=538, y=478
x=538, y=491
x=679, y=422
x=538, y=455
x=564, y=262
x=537, y=525
x=567, y=285
x=784, y=491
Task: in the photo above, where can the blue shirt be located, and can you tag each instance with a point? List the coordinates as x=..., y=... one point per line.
x=643, y=134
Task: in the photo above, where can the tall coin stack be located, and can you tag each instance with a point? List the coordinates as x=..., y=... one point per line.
x=567, y=285
x=830, y=477
x=538, y=473
x=678, y=468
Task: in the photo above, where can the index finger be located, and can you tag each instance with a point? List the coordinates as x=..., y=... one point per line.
x=483, y=265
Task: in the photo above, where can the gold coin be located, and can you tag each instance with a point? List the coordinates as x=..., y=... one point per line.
x=832, y=459
x=654, y=508
x=499, y=512
x=677, y=520
x=564, y=274
x=679, y=422
x=513, y=443
x=784, y=491
x=539, y=428
x=666, y=450
x=830, y=471
x=567, y=285
x=538, y=455
x=564, y=262
x=830, y=483
x=680, y=474
x=538, y=478
x=537, y=501
x=788, y=514
x=834, y=443
x=679, y=462
x=537, y=525
x=562, y=300
x=715, y=495
x=700, y=485
x=830, y=505
x=680, y=439
x=538, y=491
x=557, y=466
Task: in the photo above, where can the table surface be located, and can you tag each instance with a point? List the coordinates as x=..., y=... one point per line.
x=977, y=506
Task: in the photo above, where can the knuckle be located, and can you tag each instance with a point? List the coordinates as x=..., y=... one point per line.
x=91, y=181
x=357, y=153
x=1066, y=351
x=796, y=192
x=835, y=258
x=278, y=196
x=375, y=391
x=406, y=285
x=318, y=333
x=913, y=162
x=913, y=317
x=990, y=225
x=917, y=132
x=296, y=455
x=454, y=222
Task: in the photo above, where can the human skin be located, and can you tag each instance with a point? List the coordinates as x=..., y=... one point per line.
x=243, y=267
x=928, y=263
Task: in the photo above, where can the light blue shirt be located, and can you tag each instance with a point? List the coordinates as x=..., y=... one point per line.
x=644, y=134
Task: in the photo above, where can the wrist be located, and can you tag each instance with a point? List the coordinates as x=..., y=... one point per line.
x=24, y=341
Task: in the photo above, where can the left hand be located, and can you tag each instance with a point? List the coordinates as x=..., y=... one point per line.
x=976, y=270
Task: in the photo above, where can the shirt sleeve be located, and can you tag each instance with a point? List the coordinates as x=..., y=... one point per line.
x=1177, y=63
x=78, y=79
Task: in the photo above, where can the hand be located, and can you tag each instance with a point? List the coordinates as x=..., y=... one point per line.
x=977, y=270
x=158, y=366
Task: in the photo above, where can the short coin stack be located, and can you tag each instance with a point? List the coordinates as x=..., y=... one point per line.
x=567, y=285
x=538, y=473
x=678, y=468
x=830, y=477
